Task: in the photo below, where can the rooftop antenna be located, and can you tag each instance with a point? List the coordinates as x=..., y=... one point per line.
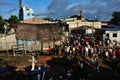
x=80, y=12
x=50, y=15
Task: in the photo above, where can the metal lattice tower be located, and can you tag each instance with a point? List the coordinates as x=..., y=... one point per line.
x=20, y=3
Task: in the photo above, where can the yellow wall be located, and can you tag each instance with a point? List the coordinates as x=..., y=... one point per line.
x=78, y=23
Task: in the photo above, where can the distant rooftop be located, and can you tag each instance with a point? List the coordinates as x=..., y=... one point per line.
x=34, y=20
x=112, y=28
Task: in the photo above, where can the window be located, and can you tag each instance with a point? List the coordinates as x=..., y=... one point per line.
x=114, y=34
x=27, y=8
x=28, y=14
x=32, y=14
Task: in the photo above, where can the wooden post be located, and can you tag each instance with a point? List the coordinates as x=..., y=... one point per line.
x=24, y=48
x=42, y=46
x=13, y=51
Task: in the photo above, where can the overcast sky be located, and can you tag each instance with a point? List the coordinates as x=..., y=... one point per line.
x=102, y=9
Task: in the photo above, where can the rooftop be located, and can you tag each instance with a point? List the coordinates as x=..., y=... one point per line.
x=112, y=28
x=34, y=20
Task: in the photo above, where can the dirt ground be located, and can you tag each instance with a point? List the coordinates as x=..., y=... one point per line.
x=58, y=67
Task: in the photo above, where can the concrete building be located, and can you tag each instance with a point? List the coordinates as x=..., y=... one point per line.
x=80, y=20
x=25, y=12
x=78, y=23
x=112, y=33
x=7, y=41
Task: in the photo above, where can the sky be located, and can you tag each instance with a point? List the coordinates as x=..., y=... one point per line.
x=102, y=9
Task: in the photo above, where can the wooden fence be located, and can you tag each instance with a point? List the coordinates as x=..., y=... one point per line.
x=19, y=49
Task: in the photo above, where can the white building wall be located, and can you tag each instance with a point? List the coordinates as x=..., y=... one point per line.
x=6, y=42
x=78, y=23
x=111, y=35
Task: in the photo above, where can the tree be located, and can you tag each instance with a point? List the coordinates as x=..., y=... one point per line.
x=13, y=20
x=2, y=29
x=1, y=19
x=49, y=19
x=2, y=23
x=115, y=18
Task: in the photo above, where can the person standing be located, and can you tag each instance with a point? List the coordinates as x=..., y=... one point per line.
x=86, y=51
x=107, y=54
x=114, y=54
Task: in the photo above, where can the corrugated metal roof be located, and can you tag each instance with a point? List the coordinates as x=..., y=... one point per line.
x=34, y=20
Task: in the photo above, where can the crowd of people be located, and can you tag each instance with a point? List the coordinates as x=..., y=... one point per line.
x=80, y=46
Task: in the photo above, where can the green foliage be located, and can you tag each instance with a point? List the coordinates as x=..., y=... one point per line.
x=49, y=19
x=2, y=29
x=116, y=17
x=13, y=19
x=1, y=19
x=2, y=23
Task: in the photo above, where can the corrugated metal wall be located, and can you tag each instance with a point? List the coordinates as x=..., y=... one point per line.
x=36, y=45
x=30, y=45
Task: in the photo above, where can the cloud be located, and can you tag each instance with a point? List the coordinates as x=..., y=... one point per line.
x=5, y=5
x=7, y=8
x=42, y=13
x=58, y=7
x=103, y=9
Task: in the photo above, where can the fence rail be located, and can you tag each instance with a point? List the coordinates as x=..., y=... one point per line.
x=21, y=49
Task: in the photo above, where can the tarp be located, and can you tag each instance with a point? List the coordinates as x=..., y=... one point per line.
x=3, y=70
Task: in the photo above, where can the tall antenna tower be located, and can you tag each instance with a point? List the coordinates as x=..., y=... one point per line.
x=25, y=12
x=20, y=3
